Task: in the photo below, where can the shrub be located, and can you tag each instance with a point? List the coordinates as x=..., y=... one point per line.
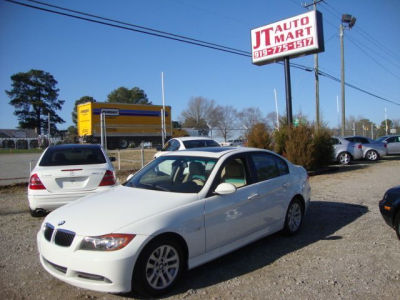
x=299, y=146
x=305, y=146
x=322, y=148
x=259, y=137
x=280, y=138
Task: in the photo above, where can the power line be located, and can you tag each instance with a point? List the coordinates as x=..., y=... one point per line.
x=372, y=58
x=134, y=25
x=174, y=37
x=170, y=37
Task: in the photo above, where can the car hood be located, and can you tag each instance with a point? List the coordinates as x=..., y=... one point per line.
x=106, y=212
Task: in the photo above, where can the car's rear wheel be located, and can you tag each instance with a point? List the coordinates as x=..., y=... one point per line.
x=294, y=217
x=158, y=267
x=372, y=155
x=344, y=158
x=397, y=224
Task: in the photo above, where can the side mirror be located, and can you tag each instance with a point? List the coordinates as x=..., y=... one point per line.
x=112, y=158
x=225, y=188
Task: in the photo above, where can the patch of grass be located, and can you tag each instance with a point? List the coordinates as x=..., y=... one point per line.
x=20, y=151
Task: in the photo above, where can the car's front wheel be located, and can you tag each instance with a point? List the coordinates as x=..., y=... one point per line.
x=294, y=217
x=372, y=155
x=158, y=267
x=344, y=158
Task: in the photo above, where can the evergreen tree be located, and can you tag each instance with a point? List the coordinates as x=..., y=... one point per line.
x=34, y=96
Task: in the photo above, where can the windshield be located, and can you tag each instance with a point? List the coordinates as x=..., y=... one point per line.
x=178, y=174
x=381, y=139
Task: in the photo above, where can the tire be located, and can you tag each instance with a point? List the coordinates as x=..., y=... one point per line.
x=294, y=217
x=158, y=267
x=123, y=143
x=344, y=158
x=397, y=224
x=372, y=155
x=37, y=213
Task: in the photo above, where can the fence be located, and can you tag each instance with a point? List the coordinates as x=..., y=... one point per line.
x=132, y=159
x=27, y=143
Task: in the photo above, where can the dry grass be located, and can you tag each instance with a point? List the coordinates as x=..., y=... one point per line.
x=131, y=159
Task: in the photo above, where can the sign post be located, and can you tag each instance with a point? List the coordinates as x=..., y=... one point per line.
x=289, y=38
x=106, y=112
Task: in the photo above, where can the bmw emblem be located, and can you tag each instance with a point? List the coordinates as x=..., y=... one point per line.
x=61, y=223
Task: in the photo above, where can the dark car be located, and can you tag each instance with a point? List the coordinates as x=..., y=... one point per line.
x=390, y=208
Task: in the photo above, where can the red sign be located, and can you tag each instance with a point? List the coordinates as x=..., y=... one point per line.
x=299, y=35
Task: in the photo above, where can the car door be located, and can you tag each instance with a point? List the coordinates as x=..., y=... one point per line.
x=273, y=189
x=229, y=218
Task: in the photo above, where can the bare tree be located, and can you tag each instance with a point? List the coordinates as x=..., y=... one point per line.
x=250, y=116
x=199, y=114
x=226, y=120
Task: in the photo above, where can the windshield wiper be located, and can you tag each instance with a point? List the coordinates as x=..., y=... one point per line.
x=154, y=187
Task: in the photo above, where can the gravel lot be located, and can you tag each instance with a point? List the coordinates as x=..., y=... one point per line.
x=344, y=251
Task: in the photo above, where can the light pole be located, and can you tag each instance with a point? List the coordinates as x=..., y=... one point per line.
x=348, y=20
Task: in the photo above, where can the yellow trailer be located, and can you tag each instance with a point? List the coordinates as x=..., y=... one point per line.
x=125, y=123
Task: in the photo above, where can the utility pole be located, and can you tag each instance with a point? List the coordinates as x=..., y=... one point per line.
x=342, y=78
x=350, y=21
x=317, y=121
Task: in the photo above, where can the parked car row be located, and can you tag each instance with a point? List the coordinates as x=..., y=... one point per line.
x=351, y=148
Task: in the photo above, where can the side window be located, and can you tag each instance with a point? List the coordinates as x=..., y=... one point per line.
x=335, y=141
x=211, y=143
x=391, y=140
x=265, y=165
x=234, y=172
x=282, y=166
x=172, y=145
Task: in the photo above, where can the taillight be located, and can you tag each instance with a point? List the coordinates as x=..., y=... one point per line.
x=35, y=183
x=359, y=146
x=385, y=145
x=108, y=179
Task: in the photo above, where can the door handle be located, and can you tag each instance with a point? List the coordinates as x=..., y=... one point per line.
x=252, y=196
x=285, y=185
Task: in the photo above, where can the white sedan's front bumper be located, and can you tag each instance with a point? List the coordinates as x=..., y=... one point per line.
x=105, y=271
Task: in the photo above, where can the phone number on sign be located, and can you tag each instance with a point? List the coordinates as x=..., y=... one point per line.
x=283, y=48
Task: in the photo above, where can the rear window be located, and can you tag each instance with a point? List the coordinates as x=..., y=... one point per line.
x=72, y=156
x=200, y=143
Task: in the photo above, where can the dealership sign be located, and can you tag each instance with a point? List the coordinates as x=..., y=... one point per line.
x=296, y=36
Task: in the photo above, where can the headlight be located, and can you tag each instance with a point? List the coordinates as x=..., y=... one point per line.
x=108, y=242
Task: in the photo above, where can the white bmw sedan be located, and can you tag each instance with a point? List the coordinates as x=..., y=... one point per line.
x=65, y=173
x=180, y=211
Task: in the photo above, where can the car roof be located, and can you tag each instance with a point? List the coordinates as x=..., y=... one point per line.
x=70, y=146
x=214, y=152
x=191, y=138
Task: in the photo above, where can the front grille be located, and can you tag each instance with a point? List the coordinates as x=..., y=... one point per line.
x=64, y=237
x=48, y=231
